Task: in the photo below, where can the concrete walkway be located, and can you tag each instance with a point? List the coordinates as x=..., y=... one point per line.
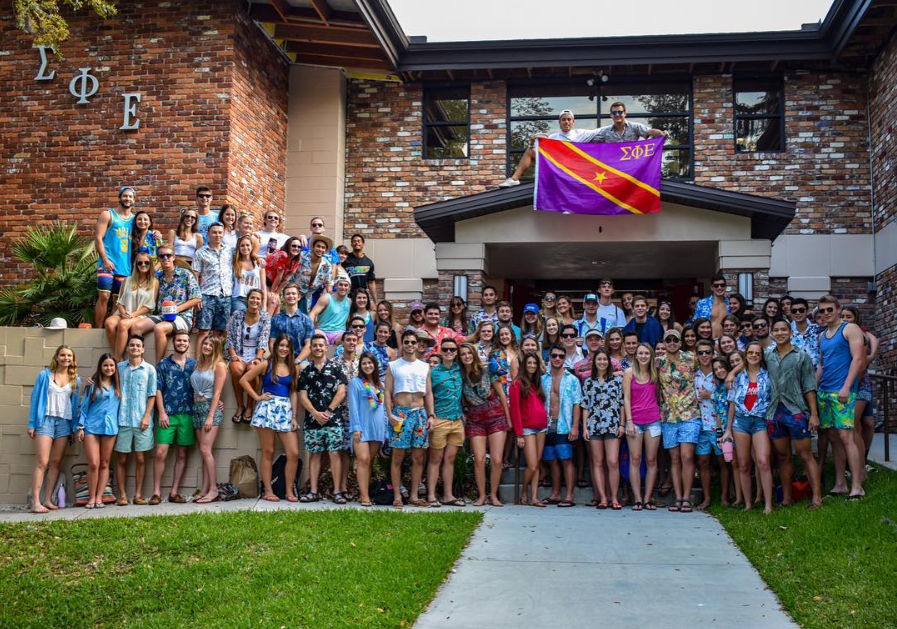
x=877, y=451
x=564, y=568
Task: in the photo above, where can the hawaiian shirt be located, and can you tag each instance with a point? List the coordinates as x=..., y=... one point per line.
x=215, y=270
x=706, y=382
x=807, y=341
x=137, y=384
x=151, y=242
x=181, y=289
x=677, y=381
x=174, y=385
x=740, y=389
x=482, y=315
x=349, y=367
x=280, y=261
x=603, y=402
x=440, y=334
x=237, y=332
x=501, y=365
x=481, y=392
x=705, y=307
x=446, y=385
x=792, y=376
x=297, y=326
x=303, y=279
x=381, y=353
x=320, y=385
x=571, y=395
x=721, y=403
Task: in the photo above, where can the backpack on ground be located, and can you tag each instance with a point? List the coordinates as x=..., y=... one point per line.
x=381, y=493
x=278, y=477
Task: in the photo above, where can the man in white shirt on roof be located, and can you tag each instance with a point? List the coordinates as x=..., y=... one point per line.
x=567, y=133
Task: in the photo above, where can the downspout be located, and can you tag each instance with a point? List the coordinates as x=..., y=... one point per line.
x=871, y=178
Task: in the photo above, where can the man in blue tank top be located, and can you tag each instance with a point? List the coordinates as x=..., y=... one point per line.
x=842, y=356
x=113, y=245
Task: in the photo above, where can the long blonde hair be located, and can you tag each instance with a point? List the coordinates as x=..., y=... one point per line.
x=652, y=374
x=72, y=369
x=208, y=362
x=238, y=259
x=148, y=279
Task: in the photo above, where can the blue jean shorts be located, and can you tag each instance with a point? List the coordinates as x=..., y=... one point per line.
x=214, y=313
x=680, y=432
x=652, y=429
x=787, y=424
x=707, y=444
x=237, y=303
x=557, y=448
x=54, y=427
x=749, y=425
x=534, y=431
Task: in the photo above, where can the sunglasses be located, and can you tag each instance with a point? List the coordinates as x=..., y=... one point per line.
x=617, y=112
x=190, y=217
x=557, y=357
x=719, y=285
x=246, y=336
x=759, y=326
x=165, y=256
x=798, y=310
x=204, y=196
x=317, y=224
x=827, y=310
x=358, y=327
x=143, y=263
x=446, y=350
x=672, y=339
x=752, y=353
x=568, y=336
x=409, y=342
x=549, y=298
x=704, y=352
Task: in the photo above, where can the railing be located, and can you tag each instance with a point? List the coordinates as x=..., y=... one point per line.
x=887, y=386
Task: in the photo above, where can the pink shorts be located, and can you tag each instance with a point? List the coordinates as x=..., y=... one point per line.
x=485, y=419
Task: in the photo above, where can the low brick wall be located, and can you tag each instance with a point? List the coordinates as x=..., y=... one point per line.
x=24, y=352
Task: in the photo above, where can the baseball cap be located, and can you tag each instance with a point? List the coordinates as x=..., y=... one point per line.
x=121, y=190
x=531, y=308
x=590, y=297
x=594, y=332
x=416, y=305
x=672, y=332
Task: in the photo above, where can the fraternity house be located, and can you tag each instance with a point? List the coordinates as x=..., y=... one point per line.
x=779, y=168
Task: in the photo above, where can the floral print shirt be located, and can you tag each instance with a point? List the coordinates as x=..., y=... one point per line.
x=740, y=389
x=721, y=404
x=807, y=341
x=706, y=382
x=704, y=308
x=321, y=385
x=174, y=385
x=236, y=327
x=603, y=401
x=481, y=392
x=571, y=395
x=677, y=382
x=303, y=279
x=182, y=288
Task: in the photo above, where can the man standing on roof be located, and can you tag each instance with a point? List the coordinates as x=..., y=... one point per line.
x=566, y=121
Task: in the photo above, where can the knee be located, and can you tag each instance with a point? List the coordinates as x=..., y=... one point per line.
x=613, y=462
x=479, y=459
x=268, y=452
x=363, y=460
x=93, y=466
x=41, y=464
x=744, y=467
x=763, y=463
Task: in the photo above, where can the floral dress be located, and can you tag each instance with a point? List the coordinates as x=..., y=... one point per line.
x=603, y=401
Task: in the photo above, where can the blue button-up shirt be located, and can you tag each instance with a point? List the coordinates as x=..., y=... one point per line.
x=807, y=341
x=571, y=395
x=764, y=395
x=298, y=327
x=174, y=385
x=137, y=384
x=705, y=308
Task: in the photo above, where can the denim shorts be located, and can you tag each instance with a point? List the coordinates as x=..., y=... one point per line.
x=557, y=448
x=787, y=424
x=653, y=429
x=534, y=431
x=707, y=443
x=214, y=314
x=680, y=432
x=237, y=303
x=749, y=425
x=54, y=427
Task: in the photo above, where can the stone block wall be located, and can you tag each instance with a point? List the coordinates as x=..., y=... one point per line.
x=24, y=352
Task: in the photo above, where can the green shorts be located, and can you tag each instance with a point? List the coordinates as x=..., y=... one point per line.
x=179, y=431
x=131, y=439
x=836, y=414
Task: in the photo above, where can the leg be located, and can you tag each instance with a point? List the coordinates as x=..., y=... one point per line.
x=687, y=458
x=782, y=448
x=345, y=466
x=433, y=465
x=676, y=471
x=635, y=467
x=478, y=446
x=596, y=450
x=854, y=461
x=418, y=456
x=92, y=453
x=525, y=162
x=237, y=369
x=206, y=440
x=180, y=463
x=314, y=471
x=121, y=472
x=111, y=325
x=704, y=472
x=159, y=457
x=496, y=450
x=743, y=447
x=57, y=451
x=555, y=467
x=106, y=446
x=448, y=473
x=761, y=450
x=336, y=469
x=569, y=477
x=161, y=332
x=531, y=475
x=363, y=469
x=42, y=447
x=612, y=456
x=99, y=311
x=266, y=441
x=652, y=449
x=290, y=444
x=395, y=473
x=139, y=472
x=805, y=452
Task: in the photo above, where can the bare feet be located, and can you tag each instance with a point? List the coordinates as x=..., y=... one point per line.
x=39, y=509
x=479, y=502
x=767, y=510
x=495, y=502
x=703, y=506
x=49, y=505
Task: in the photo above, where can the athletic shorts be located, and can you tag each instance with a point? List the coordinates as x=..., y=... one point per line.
x=557, y=447
x=834, y=413
x=707, y=443
x=54, y=427
x=680, y=432
x=131, y=439
x=109, y=283
x=179, y=324
x=179, y=431
x=333, y=338
x=653, y=429
x=749, y=425
x=214, y=313
x=324, y=439
x=786, y=424
x=413, y=431
x=446, y=432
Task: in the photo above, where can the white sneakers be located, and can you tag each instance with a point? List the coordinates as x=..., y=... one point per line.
x=510, y=182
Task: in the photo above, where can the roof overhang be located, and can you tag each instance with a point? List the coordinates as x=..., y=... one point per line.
x=769, y=217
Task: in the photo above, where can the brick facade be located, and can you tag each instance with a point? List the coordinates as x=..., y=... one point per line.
x=213, y=111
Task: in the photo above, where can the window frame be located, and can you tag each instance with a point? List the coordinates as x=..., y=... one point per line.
x=429, y=89
x=685, y=80
x=780, y=116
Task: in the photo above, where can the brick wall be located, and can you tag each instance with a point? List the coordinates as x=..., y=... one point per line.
x=386, y=175
x=213, y=107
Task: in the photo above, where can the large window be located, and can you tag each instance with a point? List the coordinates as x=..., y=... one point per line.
x=759, y=115
x=660, y=105
x=446, y=122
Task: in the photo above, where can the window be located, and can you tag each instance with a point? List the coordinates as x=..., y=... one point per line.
x=759, y=115
x=446, y=122
x=661, y=105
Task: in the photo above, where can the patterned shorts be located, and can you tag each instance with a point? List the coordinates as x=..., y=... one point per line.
x=485, y=419
x=324, y=439
x=413, y=431
x=675, y=433
x=787, y=424
x=214, y=314
x=275, y=414
x=201, y=412
x=834, y=413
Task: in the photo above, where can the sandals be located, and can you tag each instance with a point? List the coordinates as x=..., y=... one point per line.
x=539, y=503
x=176, y=498
x=616, y=506
x=566, y=503
x=366, y=503
x=417, y=502
x=674, y=508
x=397, y=504
x=238, y=416
x=434, y=504
x=292, y=499
x=637, y=506
x=339, y=498
x=595, y=503
x=156, y=499
x=457, y=502
x=311, y=496
x=205, y=501
x=601, y=505
x=650, y=506
x=685, y=507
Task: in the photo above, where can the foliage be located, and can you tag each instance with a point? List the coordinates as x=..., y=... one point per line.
x=283, y=568
x=42, y=20
x=63, y=283
x=832, y=567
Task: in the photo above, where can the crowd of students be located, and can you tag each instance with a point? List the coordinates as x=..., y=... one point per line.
x=731, y=387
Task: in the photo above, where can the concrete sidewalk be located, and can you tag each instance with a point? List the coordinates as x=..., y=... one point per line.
x=564, y=568
x=877, y=451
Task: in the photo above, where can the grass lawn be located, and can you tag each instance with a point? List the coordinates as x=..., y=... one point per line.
x=831, y=568
x=318, y=569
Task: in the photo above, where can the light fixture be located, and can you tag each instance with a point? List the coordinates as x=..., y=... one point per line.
x=460, y=287
x=746, y=286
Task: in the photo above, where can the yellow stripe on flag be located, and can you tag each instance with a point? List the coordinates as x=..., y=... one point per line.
x=627, y=176
x=597, y=189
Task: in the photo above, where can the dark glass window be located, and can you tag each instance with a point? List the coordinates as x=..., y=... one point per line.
x=759, y=115
x=661, y=105
x=446, y=122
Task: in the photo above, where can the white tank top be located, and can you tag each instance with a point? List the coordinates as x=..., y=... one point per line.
x=59, y=400
x=185, y=248
x=409, y=377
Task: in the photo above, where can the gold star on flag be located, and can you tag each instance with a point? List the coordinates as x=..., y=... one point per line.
x=600, y=177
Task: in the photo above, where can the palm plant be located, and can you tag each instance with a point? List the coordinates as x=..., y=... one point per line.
x=63, y=283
